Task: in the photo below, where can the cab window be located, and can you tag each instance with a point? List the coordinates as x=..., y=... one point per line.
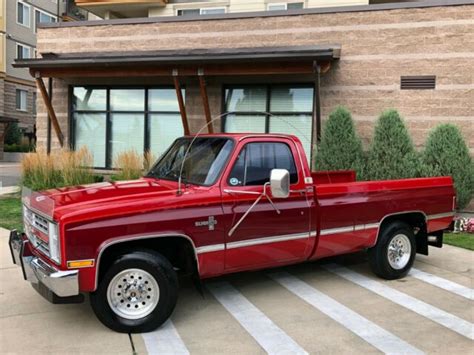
x=256, y=161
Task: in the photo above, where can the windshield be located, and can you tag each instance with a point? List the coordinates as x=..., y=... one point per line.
x=202, y=165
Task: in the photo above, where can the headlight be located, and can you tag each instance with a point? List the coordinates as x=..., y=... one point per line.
x=54, y=247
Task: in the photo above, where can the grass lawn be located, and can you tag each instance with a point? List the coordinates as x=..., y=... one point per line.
x=10, y=218
x=462, y=240
x=10, y=212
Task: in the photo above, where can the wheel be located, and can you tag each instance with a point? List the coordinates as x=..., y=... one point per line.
x=393, y=255
x=137, y=293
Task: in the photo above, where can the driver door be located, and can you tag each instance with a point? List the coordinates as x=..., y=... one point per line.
x=265, y=237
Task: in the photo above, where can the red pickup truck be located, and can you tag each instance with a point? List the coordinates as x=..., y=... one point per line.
x=223, y=204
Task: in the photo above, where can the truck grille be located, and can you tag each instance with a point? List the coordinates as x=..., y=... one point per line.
x=33, y=221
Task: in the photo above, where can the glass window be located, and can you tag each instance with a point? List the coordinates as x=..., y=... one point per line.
x=288, y=99
x=242, y=123
x=23, y=14
x=285, y=109
x=128, y=124
x=164, y=100
x=188, y=12
x=276, y=7
x=128, y=133
x=90, y=131
x=127, y=100
x=21, y=96
x=22, y=52
x=164, y=129
x=203, y=162
x=213, y=11
x=295, y=5
x=256, y=161
x=246, y=99
x=43, y=17
x=87, y=99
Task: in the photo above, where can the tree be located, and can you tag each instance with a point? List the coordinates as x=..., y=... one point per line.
x=13, y=134
x=391, y=154
x=446, y=153
x=340, y=147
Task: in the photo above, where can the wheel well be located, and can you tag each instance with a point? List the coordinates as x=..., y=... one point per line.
x=178, y=250
x=416, y=220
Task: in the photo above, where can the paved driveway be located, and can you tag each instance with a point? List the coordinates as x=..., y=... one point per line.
x=9, y=174
x=332, y=306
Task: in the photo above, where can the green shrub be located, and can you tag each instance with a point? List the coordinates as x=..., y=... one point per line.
x=340, y=147
x=18, y=148
x=391, y=154
x=13, y=134
x=446, y=153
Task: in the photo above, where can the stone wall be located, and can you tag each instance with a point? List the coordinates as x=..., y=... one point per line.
x=26, y=119
x=377, y=48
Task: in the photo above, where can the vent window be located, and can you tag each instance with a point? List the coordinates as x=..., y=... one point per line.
x=424, y=82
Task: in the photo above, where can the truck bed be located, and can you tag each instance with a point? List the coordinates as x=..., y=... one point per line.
x=350, y=212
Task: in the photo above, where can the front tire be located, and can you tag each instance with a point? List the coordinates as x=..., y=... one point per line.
x=137, y=294
x=393, y=255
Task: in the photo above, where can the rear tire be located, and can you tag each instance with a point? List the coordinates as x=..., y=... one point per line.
x=393, y=255
x=137, y=294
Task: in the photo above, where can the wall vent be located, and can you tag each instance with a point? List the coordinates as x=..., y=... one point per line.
x=422, y=82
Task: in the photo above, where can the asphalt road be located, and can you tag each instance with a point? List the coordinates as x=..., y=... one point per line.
x=331, y=306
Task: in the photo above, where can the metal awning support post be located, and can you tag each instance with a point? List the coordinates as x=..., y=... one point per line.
x=182, y=107
x=205, y=100
x=316, y=132
x=50, y=109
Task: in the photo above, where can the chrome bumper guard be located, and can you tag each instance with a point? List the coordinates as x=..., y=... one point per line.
x=36, y=271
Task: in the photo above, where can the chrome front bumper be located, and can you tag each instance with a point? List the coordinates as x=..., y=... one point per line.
x=38, y=272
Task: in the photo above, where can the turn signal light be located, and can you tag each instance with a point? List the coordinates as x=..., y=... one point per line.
x=80, y=263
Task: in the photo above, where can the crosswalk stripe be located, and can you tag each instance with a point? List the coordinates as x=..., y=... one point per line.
x=370, y=332
x=270, y=337
x=447, y=285
x=437, y=315
x=165, y=341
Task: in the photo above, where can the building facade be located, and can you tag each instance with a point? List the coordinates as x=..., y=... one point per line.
x=114, y=82
x=19, y=21
x=153, y=8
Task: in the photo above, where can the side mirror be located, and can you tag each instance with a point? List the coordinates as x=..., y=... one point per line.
x=280, y=183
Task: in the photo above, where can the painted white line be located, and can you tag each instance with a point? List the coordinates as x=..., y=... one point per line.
x=447, y=285
x=437, y=315
x=370, y=332
x=270, y=337
x=165, y=340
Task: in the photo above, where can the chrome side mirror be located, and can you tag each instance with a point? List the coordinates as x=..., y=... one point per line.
x=280, y=183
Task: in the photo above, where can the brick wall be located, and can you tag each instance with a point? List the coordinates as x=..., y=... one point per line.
x=377, y=48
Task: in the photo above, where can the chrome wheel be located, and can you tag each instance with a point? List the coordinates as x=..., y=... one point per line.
x=133, y=294
x=399, y=251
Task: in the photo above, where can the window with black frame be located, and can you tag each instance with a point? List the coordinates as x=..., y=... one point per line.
x=109, y=121
x=270, y=109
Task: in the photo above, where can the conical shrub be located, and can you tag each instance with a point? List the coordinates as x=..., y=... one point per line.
x=446, y=154
x=392, y=154
x=340, y=147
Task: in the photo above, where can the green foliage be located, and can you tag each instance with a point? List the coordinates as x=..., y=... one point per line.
x=13, y=134
x=18, y=148
x=446, y=153
x=391, y=154
x=340, y=147
x=10, y=212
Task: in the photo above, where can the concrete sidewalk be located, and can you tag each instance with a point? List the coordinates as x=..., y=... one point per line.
x=10, y=174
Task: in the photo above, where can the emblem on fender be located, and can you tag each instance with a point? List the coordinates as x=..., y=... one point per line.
x=211, y=222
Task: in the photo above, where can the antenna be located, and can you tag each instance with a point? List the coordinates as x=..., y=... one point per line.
x=179, y=192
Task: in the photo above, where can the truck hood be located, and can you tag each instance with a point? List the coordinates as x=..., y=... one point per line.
x=74, y=200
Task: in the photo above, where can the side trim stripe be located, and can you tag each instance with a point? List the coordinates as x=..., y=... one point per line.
x=287, y=237
x=440, y=215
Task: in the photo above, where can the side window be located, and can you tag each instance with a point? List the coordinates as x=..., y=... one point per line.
x=256, y=161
